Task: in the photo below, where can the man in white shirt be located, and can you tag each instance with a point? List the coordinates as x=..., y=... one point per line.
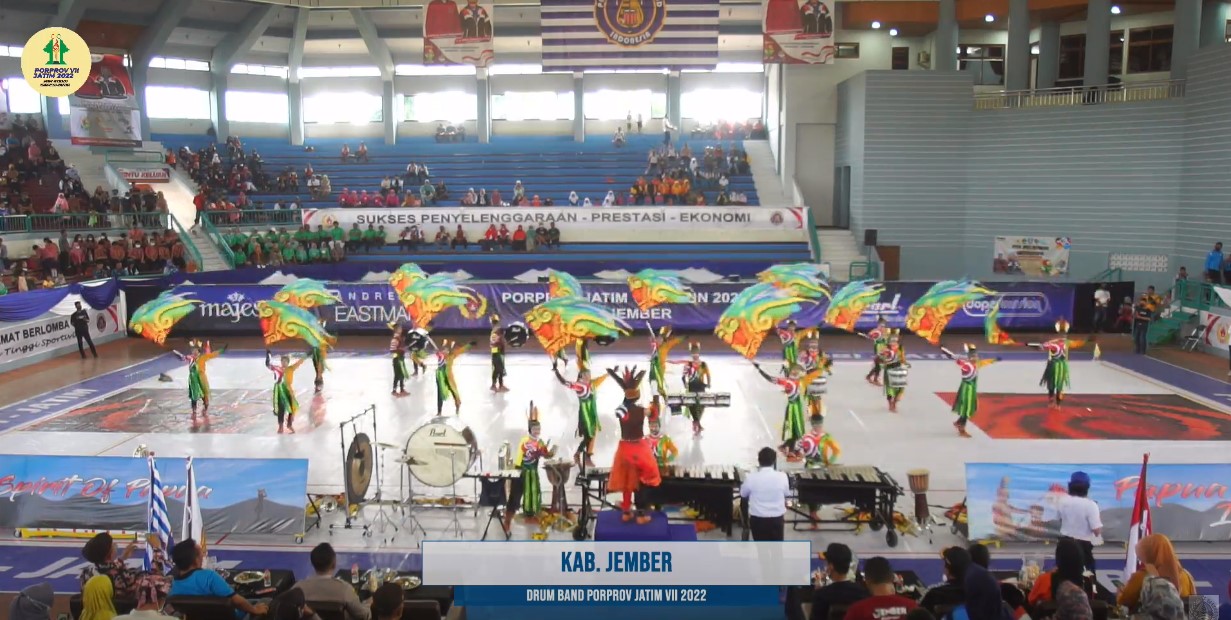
x=1080, y=519
x=1102, y=301
x=323, y=587
x=766, y=491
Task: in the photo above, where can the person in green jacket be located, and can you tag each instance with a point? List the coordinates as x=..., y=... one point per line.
x=288, y=253
x=314, y=253
x=354, y=238
x=336, y=232
x=301, y=255
x=371, y=238
x=302, y=234
x=241, y=258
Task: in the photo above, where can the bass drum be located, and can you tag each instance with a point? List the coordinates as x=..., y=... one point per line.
x=416, y=340
x=516, y=335
x=605, y=341
x=441, y=451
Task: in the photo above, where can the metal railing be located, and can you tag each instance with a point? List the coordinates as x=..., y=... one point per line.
x=1111, y=274
x=814, y=241
x=192, y=251
x=219, y=241
x=1131, y=92
x=135, y=157
x=79, y=222
x=863, y=270
x=255, y=217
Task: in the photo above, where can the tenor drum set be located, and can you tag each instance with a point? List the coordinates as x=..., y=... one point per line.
x=896, y=377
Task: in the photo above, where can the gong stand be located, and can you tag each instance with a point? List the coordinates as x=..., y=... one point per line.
x=354, y=501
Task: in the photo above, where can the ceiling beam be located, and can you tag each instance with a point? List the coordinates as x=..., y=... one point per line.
x=299, y=34
x=166, y=19
x=377, y=48
x=241, y=41
x=68, y=14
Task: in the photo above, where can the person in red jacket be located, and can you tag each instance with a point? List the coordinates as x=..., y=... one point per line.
x=491, y=237
x=519, y=239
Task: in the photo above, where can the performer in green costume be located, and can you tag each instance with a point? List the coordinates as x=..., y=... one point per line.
x=966, y=404
x=198, y=382
x=587, y=412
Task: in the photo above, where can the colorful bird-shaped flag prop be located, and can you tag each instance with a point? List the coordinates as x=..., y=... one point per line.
x=802, y=279
x=306, y=293
x=155, y=318
x=992, y=329
x=931, y=313
x=849, y=303
x=280, y=321
x=430, y=296
x=562, y=284
x=654, y=287
x=406, y=275
x=557, y=323
x=753, y=313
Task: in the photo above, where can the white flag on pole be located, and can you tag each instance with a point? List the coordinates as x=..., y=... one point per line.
x=194, y=525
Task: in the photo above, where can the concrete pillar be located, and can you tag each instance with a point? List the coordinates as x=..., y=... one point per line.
x=483, y=93
x=1049, y=55
x=387, y=112
x=1017, y=64
x=139, y=74
x=294, y=101
x=1098, y=42
x=944, y=55
x=579, y=112
x=1186, y=38
x=57, y=128
x=675, y=94
x=218, y=106
x=1214, y=16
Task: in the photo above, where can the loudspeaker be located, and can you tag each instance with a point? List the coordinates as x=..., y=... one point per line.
x=869, y=237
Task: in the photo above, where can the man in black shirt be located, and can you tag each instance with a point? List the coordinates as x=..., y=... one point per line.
x=950, y=593
x=553, y=236
x=80, y=320
x=841, y=591
x=1142, y=315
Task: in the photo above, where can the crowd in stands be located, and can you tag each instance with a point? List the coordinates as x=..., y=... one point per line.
x=55, y=262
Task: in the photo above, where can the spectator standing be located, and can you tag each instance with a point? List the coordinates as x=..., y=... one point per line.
x=540, y=237
x=840, y=590
x=80, y=320
x=553, y=236
x=1080, y=519
x=1214, y=264
x=884, y=603
x=1142, y=315
x=1102, y=301
x=323, y=587
x=190, y=579
x=766, y=491
x=1124, y=318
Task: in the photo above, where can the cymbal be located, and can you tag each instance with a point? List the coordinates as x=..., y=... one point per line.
x=387, y=446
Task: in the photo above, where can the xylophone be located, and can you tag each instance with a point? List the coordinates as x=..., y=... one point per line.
x=711, y=490
x=870, y=490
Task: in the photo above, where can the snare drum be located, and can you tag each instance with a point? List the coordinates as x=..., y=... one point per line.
x=918, y=480
x=896, y=377
x=818, y=387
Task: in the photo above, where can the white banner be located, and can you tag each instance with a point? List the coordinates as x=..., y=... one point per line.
x=105, y=127
x=531, y=563
x=145, y=175
x=1032, y=256
x=52, y=334
x=475, y=220
x=1215, y=333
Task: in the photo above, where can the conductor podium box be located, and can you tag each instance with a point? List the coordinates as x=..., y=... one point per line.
x=609, y=526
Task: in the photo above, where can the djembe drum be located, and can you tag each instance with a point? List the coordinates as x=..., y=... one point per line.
x=918, y=481
x=557, y=474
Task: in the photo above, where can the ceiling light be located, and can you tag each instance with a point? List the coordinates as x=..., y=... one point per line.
x=893, y=32
x=1115, y=9
x=989, y=18
x=876, y=25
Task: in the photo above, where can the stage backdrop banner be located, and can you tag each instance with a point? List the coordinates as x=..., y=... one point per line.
x=798, y=32
x=238, y=496
x=1017, y=501
x=1215, y=333
x=458, y=36
x=52, y=334
x=476, y=220
x=1032, y=256
x=622, y=34
x=227, y=309
x=105, y=110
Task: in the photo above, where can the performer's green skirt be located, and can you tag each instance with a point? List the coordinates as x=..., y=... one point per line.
x=399, y=367
x=967, y=402
x=444, y=387
x=587, y=418
x=890, y=392
x=658, y=376
x=1056, y=375
x=196, y=388
x=532, y=492
x=793, y=425
x=284, y=399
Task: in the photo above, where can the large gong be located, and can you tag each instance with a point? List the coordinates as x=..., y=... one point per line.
x=441, y=451
x=359, y=464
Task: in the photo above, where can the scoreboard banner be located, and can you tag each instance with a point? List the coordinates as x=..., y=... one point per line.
x=798, y=32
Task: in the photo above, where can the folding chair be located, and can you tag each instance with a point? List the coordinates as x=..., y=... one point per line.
x=1193, y=339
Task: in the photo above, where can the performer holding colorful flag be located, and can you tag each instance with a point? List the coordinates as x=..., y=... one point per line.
x=446, y=385
x=794, y=386
x=790, y=346
x=198, y=382
x=284, y=401
x=880, y=339
x=397, y=353
x=811, y=359
x=818, y=449
x=664, y=449
x=661, y=344
x=587, y=412
x=892, y=358
x=496, y=340
x=966, y=403
x=696, y=381
x=530, y=452
x=1056, y=373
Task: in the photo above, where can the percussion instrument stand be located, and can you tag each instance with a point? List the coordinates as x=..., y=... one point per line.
x=350, y=520
x=455, y=522
x=409, y=520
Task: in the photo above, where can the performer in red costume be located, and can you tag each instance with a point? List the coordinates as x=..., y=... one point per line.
x=634, y=464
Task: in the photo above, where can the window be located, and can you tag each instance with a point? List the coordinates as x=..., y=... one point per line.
x=177, y=102
x=1149, y=49
x=730, y=67
x=512, y=69
x=436, y=70
x=12, y=51
x=62, y=106
x=613, y=105
x=354, y=108
x=22, y=98
x=986, y=62
x=280, y=72
x=446, y=107
x=179, y=64
x=1072, y=57
x=846, y=50
x=900, y=59
x=1115, y=53
x=532, y=106
x=728, y=104
x=328, y=72
x=1228, y=31
x=252, y=107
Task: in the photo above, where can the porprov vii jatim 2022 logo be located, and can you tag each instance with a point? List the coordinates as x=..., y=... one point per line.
x=55, y=62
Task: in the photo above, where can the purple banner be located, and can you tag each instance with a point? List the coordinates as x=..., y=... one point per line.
x=229, y=309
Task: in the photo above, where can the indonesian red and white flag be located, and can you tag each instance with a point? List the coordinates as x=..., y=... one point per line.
x=1140, y=525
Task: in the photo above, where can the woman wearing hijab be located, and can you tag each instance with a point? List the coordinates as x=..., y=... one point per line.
x=609, y=200
x=61, y=205
x=587, y=203
x=1156, y=554
x=573, y=199
x=34, y=603
x=1070, y=567
x=96, y=599
x=983, y=600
